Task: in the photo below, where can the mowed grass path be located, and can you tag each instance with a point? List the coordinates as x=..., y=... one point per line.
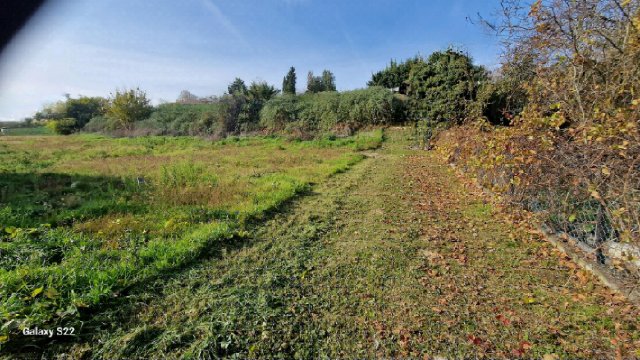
x=394, y=258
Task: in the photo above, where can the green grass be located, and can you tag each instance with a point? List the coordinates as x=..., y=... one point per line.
x=29, y=131
x=391, y=259
x=394, y=258
x=77, y=228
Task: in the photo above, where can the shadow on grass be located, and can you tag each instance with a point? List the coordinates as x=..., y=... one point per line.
x=121, y=310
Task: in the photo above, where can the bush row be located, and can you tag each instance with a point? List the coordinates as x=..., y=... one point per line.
x=332, y=111
x=304, y=115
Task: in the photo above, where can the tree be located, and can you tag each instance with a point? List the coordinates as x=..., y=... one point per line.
x=261, y=91
x=84, y=108
x=289, y=82
x=444, y=87
x=237, y=87
x=328, y=81
x=128, y=106
x=53, y=111
x=258, y=94
x=395, y=75
x=186, y=97
x=316, y=84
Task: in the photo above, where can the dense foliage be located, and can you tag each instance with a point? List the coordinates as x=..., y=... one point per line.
x=325, y=82
x=395, y=75
x=64, y=126
x=72, y=114
x=237, y=87
x=125, y=107
x=444, y=87
x=571, y=83
x=333, y=111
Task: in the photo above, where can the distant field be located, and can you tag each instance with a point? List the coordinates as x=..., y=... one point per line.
x=40, y=130
x=83, y=217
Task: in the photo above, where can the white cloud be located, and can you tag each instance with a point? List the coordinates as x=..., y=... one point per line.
x=224, y=21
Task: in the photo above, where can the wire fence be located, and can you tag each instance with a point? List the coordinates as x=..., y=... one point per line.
x=582, y=196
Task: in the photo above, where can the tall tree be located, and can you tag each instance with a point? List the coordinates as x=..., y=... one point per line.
x=289, y=82
x=445, y=86
x=237, y=87
x=313, y=85
x=328, y=81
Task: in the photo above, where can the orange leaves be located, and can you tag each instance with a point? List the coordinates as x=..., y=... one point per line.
x=503, y=319
x=534, y=11
x=522, y=349
x=583, y=277
x=475, y=340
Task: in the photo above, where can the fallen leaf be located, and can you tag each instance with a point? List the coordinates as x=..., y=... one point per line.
x=503, y=319
x=475, y=340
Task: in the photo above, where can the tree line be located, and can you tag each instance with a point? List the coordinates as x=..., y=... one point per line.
x=124, y=111
x=443, y=87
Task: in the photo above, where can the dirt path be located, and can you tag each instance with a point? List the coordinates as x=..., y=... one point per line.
x=397, y=258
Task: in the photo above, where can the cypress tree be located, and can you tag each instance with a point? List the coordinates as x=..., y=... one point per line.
x=289, y=82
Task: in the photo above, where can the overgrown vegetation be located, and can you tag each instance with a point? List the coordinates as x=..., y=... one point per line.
x=339, y=113
x=395, y=258
x=569, y=91
x=442, y=88
x=83, y=218
x=555, y=131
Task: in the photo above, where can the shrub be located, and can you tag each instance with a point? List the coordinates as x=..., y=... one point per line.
x=331, y=111
x=129, y=106
x=80, y=109
x=572, y=153
x=64, y=126
x=185, y=119
x=98, y=124
x=444, y=87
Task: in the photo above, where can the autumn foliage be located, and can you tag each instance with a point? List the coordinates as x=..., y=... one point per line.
x=572, y=153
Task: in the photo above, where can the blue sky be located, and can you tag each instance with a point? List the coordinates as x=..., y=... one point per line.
x=165, y=46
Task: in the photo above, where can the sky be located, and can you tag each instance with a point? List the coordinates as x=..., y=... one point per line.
x=92, y=48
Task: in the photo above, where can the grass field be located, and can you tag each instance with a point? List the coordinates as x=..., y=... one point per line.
x=392, y=256
x=28, y=131
x=83, y=218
